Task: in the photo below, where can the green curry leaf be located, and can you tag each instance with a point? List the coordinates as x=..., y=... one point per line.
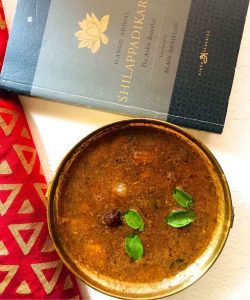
x=182, y=198
x=180, y=218
x=134, y=220
x=134, y=247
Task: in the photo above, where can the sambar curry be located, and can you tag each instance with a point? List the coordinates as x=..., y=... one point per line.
x=136, y=169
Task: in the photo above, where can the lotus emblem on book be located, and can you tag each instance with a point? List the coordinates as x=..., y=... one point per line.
x=92, y=32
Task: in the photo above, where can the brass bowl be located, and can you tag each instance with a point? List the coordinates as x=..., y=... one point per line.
x=168, y=286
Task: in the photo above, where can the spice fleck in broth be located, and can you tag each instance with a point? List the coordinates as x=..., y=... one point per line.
x=136, y=170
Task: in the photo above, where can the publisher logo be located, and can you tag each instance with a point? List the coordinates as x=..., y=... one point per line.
x=203, y=55
x=92, y=32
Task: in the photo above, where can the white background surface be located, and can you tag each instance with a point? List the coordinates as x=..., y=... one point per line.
x=57, y=127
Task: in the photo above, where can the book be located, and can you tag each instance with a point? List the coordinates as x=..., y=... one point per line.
x=170, y=60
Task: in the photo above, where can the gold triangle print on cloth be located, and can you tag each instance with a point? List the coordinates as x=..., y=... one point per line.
x=14, y=190
x=48, y=246
x=26, y=245
x=3, y=250
x=26, y=207
x=68, y=283
x=25, y=133
x=39, y=269
x=23, y=288
x=7, y=127
x=41, y=190
x=5, y=168
x=11, y=271
x=21, y=150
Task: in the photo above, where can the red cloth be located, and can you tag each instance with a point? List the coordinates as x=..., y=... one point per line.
x=29, y=265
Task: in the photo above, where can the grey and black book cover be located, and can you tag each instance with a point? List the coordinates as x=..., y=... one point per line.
x=172, y=60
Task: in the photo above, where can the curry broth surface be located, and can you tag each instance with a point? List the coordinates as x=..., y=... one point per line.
x=148, y=165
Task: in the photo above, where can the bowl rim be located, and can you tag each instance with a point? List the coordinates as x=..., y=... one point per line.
x=228, y=200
